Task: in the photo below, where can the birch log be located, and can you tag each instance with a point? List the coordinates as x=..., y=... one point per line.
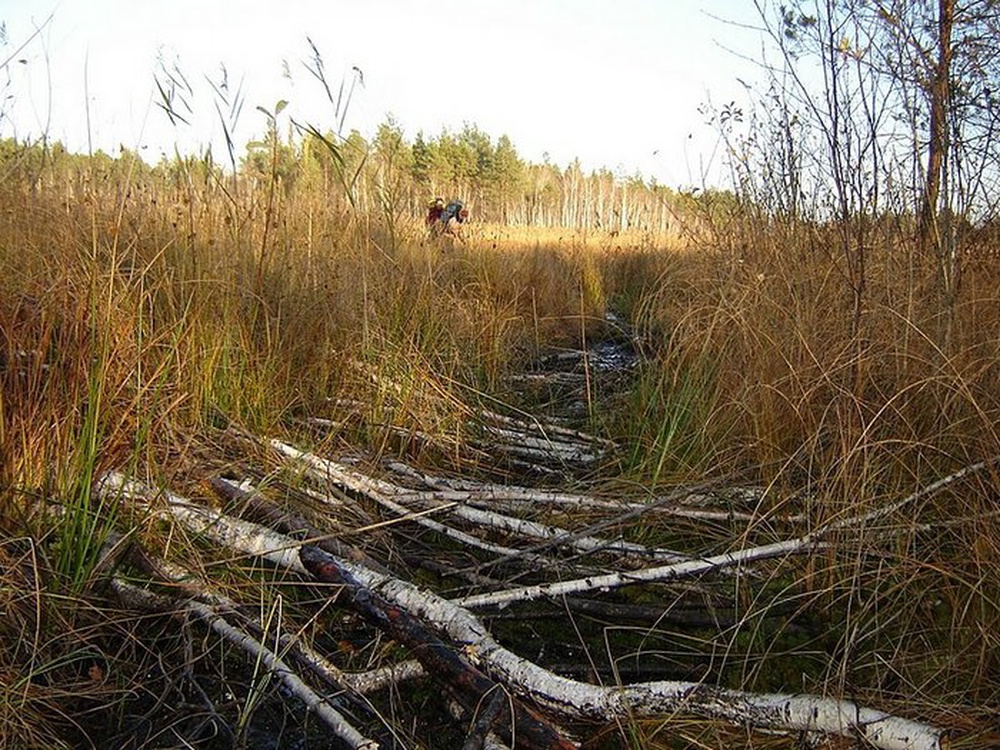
x=726, y=560
x=335, y=721
x=563, y=696
x=383, y=493
x=578, y=700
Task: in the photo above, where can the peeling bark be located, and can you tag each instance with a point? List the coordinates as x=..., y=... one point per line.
x=439, y=659
x=558, y=695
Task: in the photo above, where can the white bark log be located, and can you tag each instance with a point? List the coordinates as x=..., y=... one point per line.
x=724, y=561
x=555, y=534
x=275, y=664
x=332, y=471
x=570, y=698
x=361, y=683
x=528, y=446
x=547, y=429
x=659, y=574
x=583, y=701
x=379, y=679
x=251, y=538
x=380, y=492
x=511, y=498
x=920, y=494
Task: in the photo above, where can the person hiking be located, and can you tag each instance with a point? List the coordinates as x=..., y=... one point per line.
x=446, y=219
x=434, y=210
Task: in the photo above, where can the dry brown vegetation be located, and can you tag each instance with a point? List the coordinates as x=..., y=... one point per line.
x=143, y=319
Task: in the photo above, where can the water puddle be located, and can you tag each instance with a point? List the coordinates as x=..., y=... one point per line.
x=564, y=383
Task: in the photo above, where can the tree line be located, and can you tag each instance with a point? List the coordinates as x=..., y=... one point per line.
x=387, y=174
x=391, y=173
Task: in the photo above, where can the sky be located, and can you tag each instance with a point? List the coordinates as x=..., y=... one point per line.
x=615, y=83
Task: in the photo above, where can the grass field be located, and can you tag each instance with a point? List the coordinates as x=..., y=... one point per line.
x=139, y=320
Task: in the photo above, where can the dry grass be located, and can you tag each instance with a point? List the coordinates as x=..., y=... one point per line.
x=137, y=315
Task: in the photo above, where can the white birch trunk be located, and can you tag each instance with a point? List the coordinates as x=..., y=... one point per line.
x=567, y=697
x=334, y=720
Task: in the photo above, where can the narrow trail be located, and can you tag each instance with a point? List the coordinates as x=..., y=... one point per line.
x=392, y=604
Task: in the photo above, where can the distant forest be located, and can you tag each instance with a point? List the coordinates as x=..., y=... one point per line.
x=387, y=175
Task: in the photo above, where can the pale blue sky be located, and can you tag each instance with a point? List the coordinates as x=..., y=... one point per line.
x=617, y=83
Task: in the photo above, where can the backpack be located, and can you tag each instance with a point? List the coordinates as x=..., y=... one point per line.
x=452, y=211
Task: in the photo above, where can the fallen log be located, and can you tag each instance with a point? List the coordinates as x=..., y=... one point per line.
x=137, y=597
x=687, y=503
x=382, y=677
x=382, y=493
x=287, y=523
x=547, y=429
x=554, y=534
x=387, y=494
x=439, y=659
x=300, y=529
x=659, y=574
x=190, y=586
x=581, y=701
x=539, y=448
x=726, y=560
x=529, y=440
x=561, y=696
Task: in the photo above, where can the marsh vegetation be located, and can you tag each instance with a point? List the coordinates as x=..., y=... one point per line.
x=814, y=384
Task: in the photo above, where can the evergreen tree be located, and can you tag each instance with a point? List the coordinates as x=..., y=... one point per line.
x=422, y=162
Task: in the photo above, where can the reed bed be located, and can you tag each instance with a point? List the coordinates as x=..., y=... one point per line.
x=142, y=316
